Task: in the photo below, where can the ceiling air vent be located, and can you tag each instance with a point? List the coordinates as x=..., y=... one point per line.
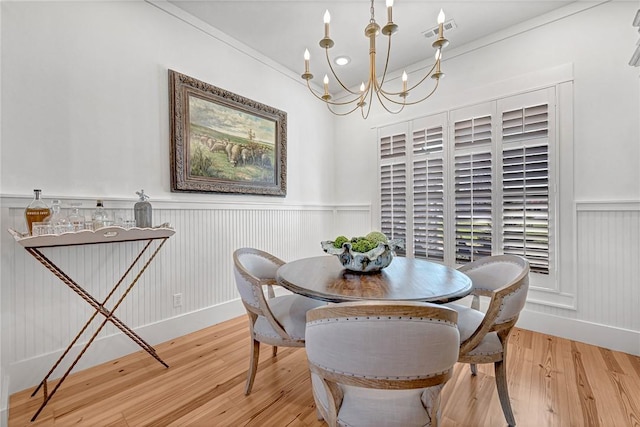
x=433, y=32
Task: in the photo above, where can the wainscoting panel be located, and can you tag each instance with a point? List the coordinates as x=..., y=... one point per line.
x=40, y=315
x=43, y=315
x=609, y=267
x=607, y=281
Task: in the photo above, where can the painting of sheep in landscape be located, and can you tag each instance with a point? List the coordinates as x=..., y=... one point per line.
x=222, y=142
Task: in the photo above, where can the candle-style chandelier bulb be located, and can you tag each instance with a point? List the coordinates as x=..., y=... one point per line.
x=441, y=41
x=326, y=42
x=307, y=75
x=404, y=92
x=325, y=81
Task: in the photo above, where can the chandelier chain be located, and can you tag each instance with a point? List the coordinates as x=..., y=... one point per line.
x=373, y=14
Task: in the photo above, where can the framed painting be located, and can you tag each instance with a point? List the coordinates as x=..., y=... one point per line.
x=222, y=142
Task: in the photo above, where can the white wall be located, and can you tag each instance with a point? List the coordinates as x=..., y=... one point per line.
x=600, y=215
x=85, y=115
x=85, y=99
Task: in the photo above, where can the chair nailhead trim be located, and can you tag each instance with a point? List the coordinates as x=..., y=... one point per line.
x=393, y=318
x=376, y=377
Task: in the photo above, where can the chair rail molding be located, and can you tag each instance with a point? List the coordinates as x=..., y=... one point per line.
x=607, y=205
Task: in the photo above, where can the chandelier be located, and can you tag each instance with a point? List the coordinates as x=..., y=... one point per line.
x=392, y=101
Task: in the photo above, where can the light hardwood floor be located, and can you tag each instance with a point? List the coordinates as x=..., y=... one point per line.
x=553, y=382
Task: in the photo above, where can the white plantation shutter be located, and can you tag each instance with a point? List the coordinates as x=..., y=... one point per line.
x=473, y=169
x=393, y=201
x=428, y=189
x=526, y=180
x=472, y=132
x=525, y=123
x=393, y=146
x=393, y=184
x=428, y=140
x=473, y=206
x=525, y=205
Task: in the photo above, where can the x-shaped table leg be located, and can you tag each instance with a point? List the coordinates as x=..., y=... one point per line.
x=99, y=309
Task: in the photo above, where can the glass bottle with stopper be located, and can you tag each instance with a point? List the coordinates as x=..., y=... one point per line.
x=142, y=211
x=100, y=218
x=75, y=217
x=58, y=220
x=37, y=211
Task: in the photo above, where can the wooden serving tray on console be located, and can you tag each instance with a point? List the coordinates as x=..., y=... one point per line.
x=86, y=237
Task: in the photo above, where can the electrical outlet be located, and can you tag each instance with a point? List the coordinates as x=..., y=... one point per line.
x=177, y=300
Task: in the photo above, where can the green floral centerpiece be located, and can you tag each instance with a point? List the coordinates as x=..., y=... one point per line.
x=367, y=254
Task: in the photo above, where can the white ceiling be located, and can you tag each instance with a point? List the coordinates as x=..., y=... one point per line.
x=281, y=30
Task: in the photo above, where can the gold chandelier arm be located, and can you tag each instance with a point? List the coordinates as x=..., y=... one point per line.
x=385, y=93
x=313, y=92
x=384, y=105
x=386, y=66
x=427, y=96
x=343, y=113
x=360, y=104
x=425, y=76
x=404, y=101
x=326, y=49
x=328, y=101
x=351, y=101
x=368, y=94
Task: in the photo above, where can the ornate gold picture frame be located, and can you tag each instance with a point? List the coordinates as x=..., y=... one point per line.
x=222, y=142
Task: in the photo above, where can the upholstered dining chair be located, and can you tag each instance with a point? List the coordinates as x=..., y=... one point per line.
x=376, y=363
x=483, y=336
x=276, y=320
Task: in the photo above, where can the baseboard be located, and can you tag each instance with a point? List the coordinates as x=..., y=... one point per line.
x=610, y=337
x=28, y=373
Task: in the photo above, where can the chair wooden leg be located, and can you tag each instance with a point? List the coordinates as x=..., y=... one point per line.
x=253, y=366
x=431, y=403
x=275, y=350
x=474, y=369
x=503, y=391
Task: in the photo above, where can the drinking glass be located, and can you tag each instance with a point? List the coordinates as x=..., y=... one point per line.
x=42, y=229
x=123, y=218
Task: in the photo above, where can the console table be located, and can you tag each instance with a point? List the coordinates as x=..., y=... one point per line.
x=107, y=235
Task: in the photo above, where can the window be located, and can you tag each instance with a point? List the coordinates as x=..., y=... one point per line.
x=475, y=181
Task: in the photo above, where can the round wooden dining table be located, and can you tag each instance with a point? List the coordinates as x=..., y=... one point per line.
x=405, y=279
